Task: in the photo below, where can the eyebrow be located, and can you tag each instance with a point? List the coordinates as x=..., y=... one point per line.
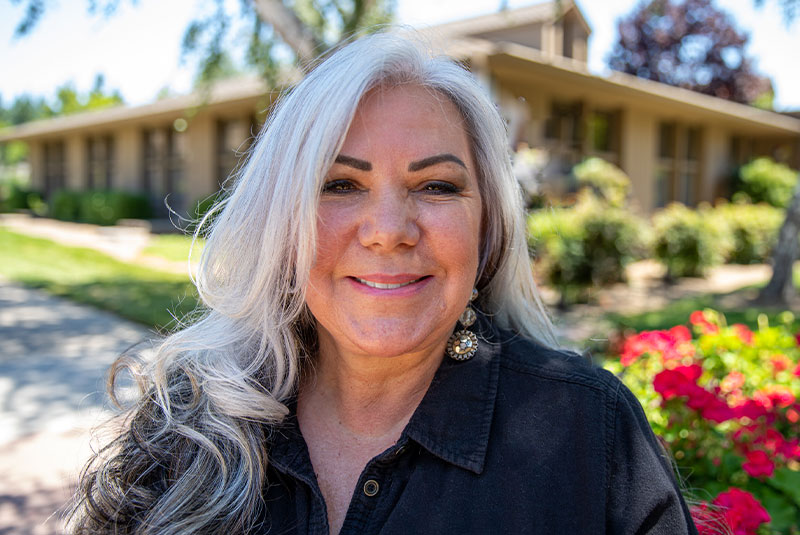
x=433, y=160
x=361, y=165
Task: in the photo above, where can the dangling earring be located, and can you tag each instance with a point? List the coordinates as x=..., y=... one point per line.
x=463, y=344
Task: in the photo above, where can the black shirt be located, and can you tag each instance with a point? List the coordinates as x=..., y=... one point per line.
x=519, y=439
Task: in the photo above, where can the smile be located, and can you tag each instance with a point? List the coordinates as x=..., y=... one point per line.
x=386, y=286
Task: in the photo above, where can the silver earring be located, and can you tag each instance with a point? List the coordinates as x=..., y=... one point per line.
x=463, y=344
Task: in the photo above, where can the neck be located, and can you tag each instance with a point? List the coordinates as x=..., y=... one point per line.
x=368, y=397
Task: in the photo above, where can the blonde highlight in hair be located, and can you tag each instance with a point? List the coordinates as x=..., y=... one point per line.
x=192, y=456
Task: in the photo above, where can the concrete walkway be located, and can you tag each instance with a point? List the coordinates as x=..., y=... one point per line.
x=54, y=356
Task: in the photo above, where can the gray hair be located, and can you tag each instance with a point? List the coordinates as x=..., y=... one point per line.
x=192, y=457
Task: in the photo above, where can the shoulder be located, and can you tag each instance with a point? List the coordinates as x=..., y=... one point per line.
x=520, y=356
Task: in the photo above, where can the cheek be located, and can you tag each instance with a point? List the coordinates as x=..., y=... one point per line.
x=455, y=239
x=332, y=238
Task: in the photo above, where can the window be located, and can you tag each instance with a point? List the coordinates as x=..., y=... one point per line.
x=603, y=132
x=53, y=166
x=678, y=172
x=99, y=162
x=162, y=167
x=564, y=135
x=234, y=137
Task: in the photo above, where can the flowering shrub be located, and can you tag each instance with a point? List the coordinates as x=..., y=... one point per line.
x=725, y=400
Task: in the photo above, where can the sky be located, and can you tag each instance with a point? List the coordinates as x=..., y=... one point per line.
x=138, y=49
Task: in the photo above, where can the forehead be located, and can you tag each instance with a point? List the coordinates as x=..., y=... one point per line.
x=408, y=117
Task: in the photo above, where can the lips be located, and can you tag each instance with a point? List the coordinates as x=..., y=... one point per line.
x=387, y=285
x=389, y=282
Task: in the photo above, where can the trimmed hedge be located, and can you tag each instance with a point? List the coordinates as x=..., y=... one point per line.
x=99, y=207
x=764, y=180
x=754, y=230
x=587, y=245
x=689, y=241
x=13, y=197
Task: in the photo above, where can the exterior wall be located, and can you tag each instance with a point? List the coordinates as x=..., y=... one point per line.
x=128, y=159
x=638, y=155
x=200, y=161
x=528, y=35
x=36, y=158
x=75, y=164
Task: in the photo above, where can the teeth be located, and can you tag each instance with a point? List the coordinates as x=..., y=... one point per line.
x=383, y=286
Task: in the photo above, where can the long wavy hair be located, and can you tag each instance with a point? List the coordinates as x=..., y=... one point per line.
x=192, y=454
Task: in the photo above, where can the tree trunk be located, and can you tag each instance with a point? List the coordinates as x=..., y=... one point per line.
x=781, y=285
x=291, y=29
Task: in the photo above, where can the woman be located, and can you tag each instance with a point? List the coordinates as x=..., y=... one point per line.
x=325, y=389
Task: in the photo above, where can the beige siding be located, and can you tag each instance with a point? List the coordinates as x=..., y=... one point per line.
x=75, y=162
x=638, y=155
x=128, y=159
x=200, y=165
x=36, y=159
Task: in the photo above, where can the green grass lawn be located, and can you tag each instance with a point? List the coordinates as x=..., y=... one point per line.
x=140, y=294
x=174, y=247
x=678, y=312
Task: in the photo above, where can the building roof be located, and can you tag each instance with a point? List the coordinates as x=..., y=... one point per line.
x=506, y=18
x=225, y=92
x=459, y=41
x=524, y=59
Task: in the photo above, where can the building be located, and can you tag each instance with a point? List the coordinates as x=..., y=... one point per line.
x=675, y=144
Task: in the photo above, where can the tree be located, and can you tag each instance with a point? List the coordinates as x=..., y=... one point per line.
x=690, y=44
x=779, y=287
x=304, y=28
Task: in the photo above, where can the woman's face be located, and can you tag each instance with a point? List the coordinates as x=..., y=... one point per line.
x=398, y=228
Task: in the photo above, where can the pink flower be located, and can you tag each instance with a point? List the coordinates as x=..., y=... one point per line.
x=773, y=396
x=674, y=344
x=749, y=409
x=745, y=334
x=680, y=381
x=758, y=464
x=742, y=512
x=733, y=381
x=698, y=319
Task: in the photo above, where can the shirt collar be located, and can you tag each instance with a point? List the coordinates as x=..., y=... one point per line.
x=454, y=418
x=452, y=421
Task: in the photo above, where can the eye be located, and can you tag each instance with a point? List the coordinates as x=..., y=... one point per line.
x=440, y=188
x=339, y=186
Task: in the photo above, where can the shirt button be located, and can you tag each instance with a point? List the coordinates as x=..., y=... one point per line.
x=371, y=487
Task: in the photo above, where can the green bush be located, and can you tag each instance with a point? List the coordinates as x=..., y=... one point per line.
x=587, y=245
x=15, y=197
x=724, y=400
x=66, y=205
x=606, y=180
x=99, y=207
x=754, y=230
x=764, y=180
x=689, y=241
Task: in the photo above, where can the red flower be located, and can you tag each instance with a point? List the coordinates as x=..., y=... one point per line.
x=674, y=344
x=742, y=512
x=773, y=396
x=758, y=464
x=698, y=319
x=749, y=409
x=797, y=338
x=680, y=381
x=780, y=362
x=745, y=334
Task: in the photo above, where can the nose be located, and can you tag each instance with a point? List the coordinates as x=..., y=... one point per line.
x=389, y=220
